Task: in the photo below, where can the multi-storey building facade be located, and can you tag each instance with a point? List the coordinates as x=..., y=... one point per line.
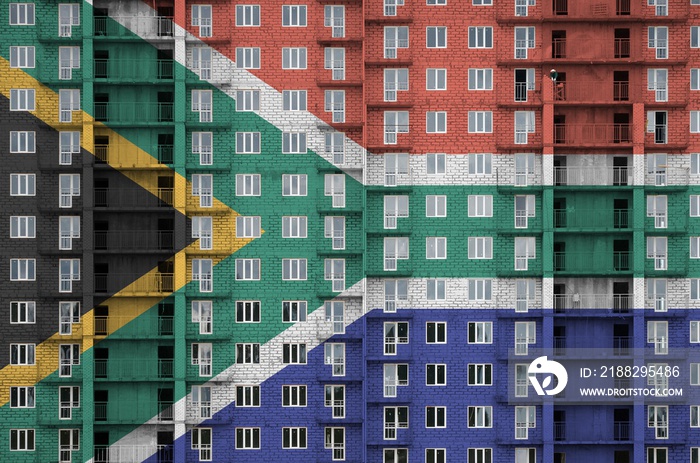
x=341, y=230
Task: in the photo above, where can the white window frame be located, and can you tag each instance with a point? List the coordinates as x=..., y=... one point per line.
x=334, y=271
x=293, y=58
x=247, y=311
x=23, y=226
x=480, y=79
x=22, y=141
x=335, y=399
x=480, y=247
x=22, y=99
x=525, y=418
x=436, y=247
x=480, y=289
x=247, y=353
x=203, y=103
x=294, y=143
x=436, y=122
x=202, y=229
x=23, y=354
x=438, y=376
x=334, y=103
x=22, y=312
x=201, y=401
x=395, y=249
x=436, y=37
x=436, y=206
x=294, y=226
x=480, y=122
x=294, y=438
x=436, y=332
x=247, y=15
x=248, y=57
x=294, y=269
x=22, y=14
x=23, y=440
x=524, y=40
x=68, y=230
x=248, y=226
x=247, y=395
x=395, y=333
x=68, y=314
x=68, y=101
x=68, y=59
x=294, y=353
x=294, y=395
x=334, y=17
x=395, y=37
x=658, y=39
x=436, y=289
x=22, y=184
x=658, y=418
x=657, y=334
x=294, y=185
x=395, y=375
x=247, y=438
x=202, y=18
x=202, y=62
x=247, y=100
x=69, y=145
x=203, y=187
x=22, y=57
x=294, y=311
x=480, y=206
x=248, y=184
x=482, y=374
x=22, y=397
x=436, y=79
x=22, y=269
x=68, y=272
x=395, y=80
x=525, y=249
x=293, y=15
x=334, y=59
x=482, y=332
x=334, y=228
x=68, y=16
x=657, y=249
x=479, y=416
x=68, y=355
x=203, y=271
x=657, y=81
x=203, y=145
x=334, y=355
x=480, y=37
x=202, y=355
x=203, y=315
x=202, y=442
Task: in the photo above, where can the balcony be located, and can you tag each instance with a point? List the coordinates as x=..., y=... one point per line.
x=592, y=176
x=599, y=10
x=594, y=92
x=579, y=346
x=615, y=303
x=132, y=198
x=620, y=432
x=132, y=453
x=133, y=284
x=593, y=135
x=133, y=240
x=595, y=263
x=587, y=51
x=143, y=327
x=133, y=70
x=133, y=369
x=137, y=413
x=133, y=27
x=600, y=220
x=124, y=156
x=137, y=113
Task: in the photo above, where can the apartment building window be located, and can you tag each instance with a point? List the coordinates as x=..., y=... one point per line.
x=69, y=271
x=658, y=419
x=22, y=269
x=694, y=36
x=335, y=398
x=294, y=100
x=68, y=314
x=524, y=420
x=21, y=14
x=524, y=168
x=22, y=226
x=248, y=57
x=293, y=438
x=524, y=294
x=68, y=441
x=480, y=289
x=394, y=207
x=247, y=269
x=480, y=332
x=390, y=7
x=479, y=416
x=202, y=356
x=22, y=440
x=524, y=208
x=247, y=15
x=435, y=247
x=695, y=79
x=394, y=418
x=436, y=289
x=479, y=455
x=657, y=334
x=202, y=271
x=524, y=124
x=22, y=354
x=247, y=184
x=294, y=395
x=657, y=207
x=695, y=374
x=202, y=229
x=293, y=353
x=480, y=247
x=657, y=247
x=68, y=16
x=695, y=416
x=395, y=80
x=294, y=58
x=293, y=311
x=203, y=186
x=334, y=271
x=524, y=83
x=22, y=142
x=524, y=336
x=334, y=228
x=334, y=355
x=201, y=18
x=68, y=355
x=247, y=438
x=294, y=15
x=394, y=375
x=203, y=315
x=293, y=142
x=68, y=59
x=201, y=62
x=436, y=122
x=335, y=104
x=334, y=17
x=202, y=145
x=480, y=122
x=521, y=381
x=394, y=333
x=479, y=374
x=70, y=145
x=394, y=290
x=201, y=442
x=480, y=79
x=334, y=186
x=247, y=311
x=436, y=333
x=335, y=440
x=334, y=59
x=22, y=312
x=480, y=206
x=436, y=79
x=202, y=104
x=436, y=163
x=294, y=185
x=395, y=122
x=436, y=206
x=248, y=396
x=436, y=2
x=524, y=251
x=657, y=454
x=436, y=37
x=293, y=269
x=22, y=397
x=68, y=230
x=394, y=38
x=695, y=325
x=22, y=99
x=22, y=57
x=658, y=39
x=656, y=293
x=657, y=81
x=694, y=121
x=694, y=163
x=480, y=37
x=394, y=249
x=294, y=227
x=68, y=101
x=435, y=456
x=436, y=374
x=524, y=40
x=201, y=401
x=248, y=100
x=248, y=353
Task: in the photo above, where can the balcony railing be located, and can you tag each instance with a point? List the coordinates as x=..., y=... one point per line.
x=132, y=26
x=588, y=10
x=127, y=327
x=579, y=345
x=618, y=303
x=133, y=369
x=559, y=430
x=133, y=112
x=592, y=263
x=621, y=430
x=133, y=240
x=592, y=134
x=592, y=50
x=592, y=92
x=593, y=175
x=137, y=70
x=132, y=453
x=591, y=219
x=125, y=156
x=132, y=197
x=131, y=283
